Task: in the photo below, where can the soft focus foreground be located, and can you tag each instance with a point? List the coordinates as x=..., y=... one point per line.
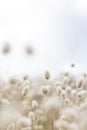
x=44, y=103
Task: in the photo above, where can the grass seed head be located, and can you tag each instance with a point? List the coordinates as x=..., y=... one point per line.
x=47, y=75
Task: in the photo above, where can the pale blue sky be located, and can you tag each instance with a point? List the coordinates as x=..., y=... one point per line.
x=57, y=29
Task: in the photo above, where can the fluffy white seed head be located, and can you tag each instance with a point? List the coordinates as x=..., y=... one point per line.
x=81, y=94
x=47, y=75
x=73, y=94
x=67, y=102
x=13, y=80
x=57, y=83
x=34, y=104
x=45, y=89
x=25, y=90
x=25, y=77
x=66, y=73
x=59, y=90
x=27, y=83
x=65, y=81
x=72, y=65
x=6, y=48
x=31, y=115
x=29, y=50
x=80, y=83
x=63, y=94
x=63, y=117
x=68, y=89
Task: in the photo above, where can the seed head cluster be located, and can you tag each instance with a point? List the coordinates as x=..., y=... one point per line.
x=44, y=103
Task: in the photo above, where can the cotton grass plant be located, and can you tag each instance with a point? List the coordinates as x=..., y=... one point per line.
x=44, y=103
